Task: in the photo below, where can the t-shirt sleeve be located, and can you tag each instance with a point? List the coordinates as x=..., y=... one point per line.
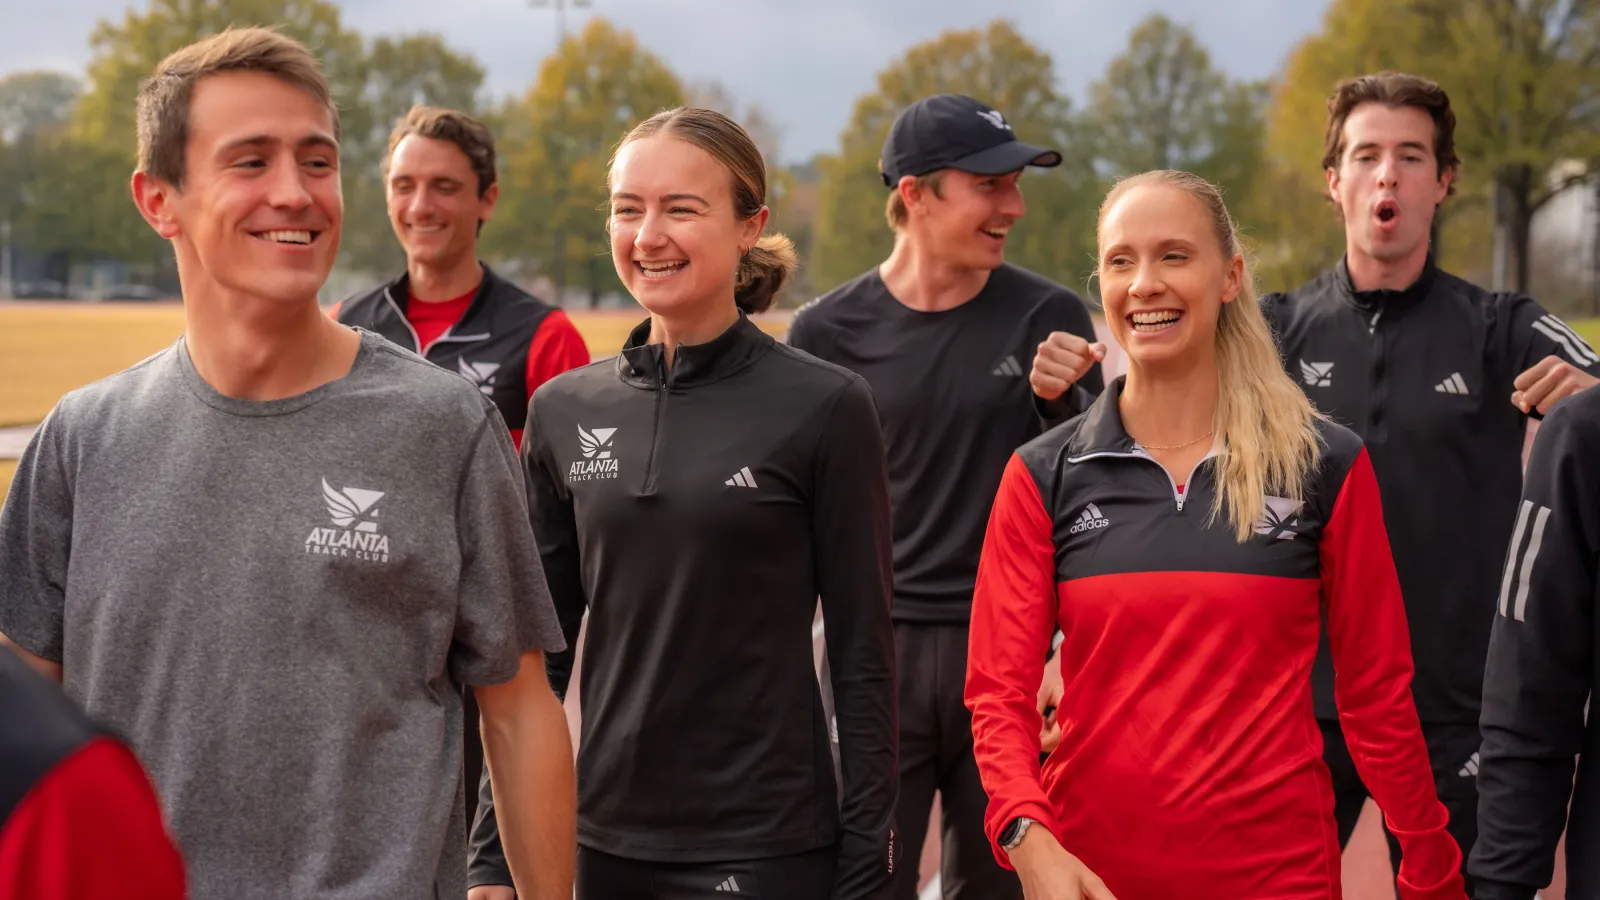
x=91, y=828
x=504, y=608
x=35, y=543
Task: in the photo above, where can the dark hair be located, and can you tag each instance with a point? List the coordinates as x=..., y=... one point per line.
x=1393, y=89
x=767, y=264
x=162, y=106
x=466, y=132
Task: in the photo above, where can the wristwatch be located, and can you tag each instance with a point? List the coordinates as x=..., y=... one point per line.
x=1012, y=835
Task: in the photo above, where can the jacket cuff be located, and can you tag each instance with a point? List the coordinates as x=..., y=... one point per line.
x=1000, y=816
x=1430, y=866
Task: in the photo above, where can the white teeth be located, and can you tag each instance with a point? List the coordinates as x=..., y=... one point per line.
x=661, y=269
x=287, y=237
x=1155, y=321
x=996, y=232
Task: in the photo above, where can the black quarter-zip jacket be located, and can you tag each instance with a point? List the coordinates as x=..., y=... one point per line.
x=1424, y=376
x=699, y=513
x=1543, y=668
x=953, y=394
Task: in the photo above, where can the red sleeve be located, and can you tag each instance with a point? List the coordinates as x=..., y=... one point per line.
x=557, y=346
x=1013, y=618
x=91, y=828
x=1371, y=645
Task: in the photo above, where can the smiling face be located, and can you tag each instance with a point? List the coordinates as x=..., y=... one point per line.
x=1164, y=276
x=1387, y=184
x=968, y=219
x=675, y=235
x=260, y=209
x=434, y=205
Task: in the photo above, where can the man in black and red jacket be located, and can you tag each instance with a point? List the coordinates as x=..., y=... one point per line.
x=448, y=307
x=79, y=819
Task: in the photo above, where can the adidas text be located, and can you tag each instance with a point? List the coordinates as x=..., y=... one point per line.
x=1089, y=520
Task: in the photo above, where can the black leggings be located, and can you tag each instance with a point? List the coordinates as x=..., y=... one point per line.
x=804, y=876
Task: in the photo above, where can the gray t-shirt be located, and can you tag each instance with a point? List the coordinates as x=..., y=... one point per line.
x=277, y=603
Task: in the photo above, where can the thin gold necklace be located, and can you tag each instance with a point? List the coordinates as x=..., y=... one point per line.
x=1176, y=446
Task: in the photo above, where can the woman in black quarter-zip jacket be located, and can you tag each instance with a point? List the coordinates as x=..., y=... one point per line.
x=698, y=494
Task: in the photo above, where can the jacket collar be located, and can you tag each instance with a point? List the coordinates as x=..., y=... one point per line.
x=1391, y=302
x=1101, y=430
x=644, y=364
x=399, y=290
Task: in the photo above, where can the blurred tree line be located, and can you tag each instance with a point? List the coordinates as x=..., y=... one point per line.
x=1524, y=77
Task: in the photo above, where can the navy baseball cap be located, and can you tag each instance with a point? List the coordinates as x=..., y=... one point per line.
x=952, y=131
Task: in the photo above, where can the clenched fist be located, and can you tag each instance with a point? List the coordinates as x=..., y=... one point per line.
x=1549, y=380
x=1062, y=359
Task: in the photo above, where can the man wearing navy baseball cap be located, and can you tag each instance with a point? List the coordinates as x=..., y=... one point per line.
x=943, y=331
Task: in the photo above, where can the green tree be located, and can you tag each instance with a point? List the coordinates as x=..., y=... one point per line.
x=1000, y=67
x=1524, y=81
x=372, y=87
x=556, y=145
x=31, y=101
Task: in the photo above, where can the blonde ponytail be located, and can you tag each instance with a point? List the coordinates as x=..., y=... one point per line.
x=762, y=272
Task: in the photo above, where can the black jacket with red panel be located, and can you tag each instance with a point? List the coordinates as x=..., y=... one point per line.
x=507, y=343
x=78, y=817
x=1190, y=763
x=1424, y=376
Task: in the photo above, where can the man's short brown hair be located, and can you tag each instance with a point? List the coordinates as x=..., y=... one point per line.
x=895, y=210
x=466, y=132
x=162, y=107
x=1393, y=89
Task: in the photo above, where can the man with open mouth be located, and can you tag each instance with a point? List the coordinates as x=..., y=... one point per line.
x=945, y=331
x=1439, y=377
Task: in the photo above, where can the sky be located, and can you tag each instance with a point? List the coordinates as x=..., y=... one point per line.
x=803, y=61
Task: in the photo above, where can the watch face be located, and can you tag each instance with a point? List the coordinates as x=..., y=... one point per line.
x=1010, y=834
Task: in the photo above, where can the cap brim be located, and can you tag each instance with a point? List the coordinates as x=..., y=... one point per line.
x=1009, y=157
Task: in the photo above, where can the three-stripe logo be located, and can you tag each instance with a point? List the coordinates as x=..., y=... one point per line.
x=1470, y=770
x=1519, y=563
x=742, y=478
x=1578, y=349
x=731, y=885
x=1088, y=520
x=1452, y=385
x=1009, y=368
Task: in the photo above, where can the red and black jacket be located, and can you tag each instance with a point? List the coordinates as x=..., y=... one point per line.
x=1190, y=761
x=507, y=343
x=78, y=817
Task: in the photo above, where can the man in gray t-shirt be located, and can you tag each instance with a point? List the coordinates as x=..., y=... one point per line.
x=270, y=555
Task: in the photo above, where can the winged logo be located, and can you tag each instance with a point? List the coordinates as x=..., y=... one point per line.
x=352, y=506
x=1279, y=517
x=993, y=117
x=1317, y=374
x=596, y=443
x=480, y=374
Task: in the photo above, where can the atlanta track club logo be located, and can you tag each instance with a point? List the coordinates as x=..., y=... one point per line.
x=597, y=462
x=1279, y=519
x=354, y=535
x=480, y=374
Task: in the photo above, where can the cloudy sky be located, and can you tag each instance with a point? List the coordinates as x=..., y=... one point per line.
x=803, y=61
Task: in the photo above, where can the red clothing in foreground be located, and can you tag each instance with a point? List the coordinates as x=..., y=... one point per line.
x=90, y=829
x=1190, y=764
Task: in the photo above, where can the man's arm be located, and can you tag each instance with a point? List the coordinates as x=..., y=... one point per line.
x=1541, y=650
x=1552, y=360
x=528, y=753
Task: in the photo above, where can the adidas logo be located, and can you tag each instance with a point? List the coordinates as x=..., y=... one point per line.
x=742, y=478
x=480, y=374
x=1452, y=385
x=1577, y=348
x=1470, y=770
x=1317, y=374
x=731, y=885
x=1089, y=520
x=1008, y=368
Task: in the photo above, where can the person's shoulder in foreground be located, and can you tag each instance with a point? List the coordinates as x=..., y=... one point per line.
x=79, y=819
